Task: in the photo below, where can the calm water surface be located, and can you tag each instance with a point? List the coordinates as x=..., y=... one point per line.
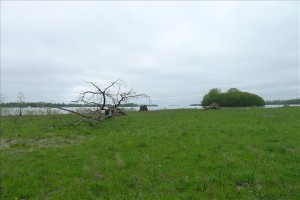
x=49, y=111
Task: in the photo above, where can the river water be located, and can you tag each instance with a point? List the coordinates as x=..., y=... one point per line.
x=50, y=111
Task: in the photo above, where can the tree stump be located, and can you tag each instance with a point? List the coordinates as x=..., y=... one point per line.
x=143, y=108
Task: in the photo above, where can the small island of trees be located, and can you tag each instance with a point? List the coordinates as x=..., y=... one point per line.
x=232, y=98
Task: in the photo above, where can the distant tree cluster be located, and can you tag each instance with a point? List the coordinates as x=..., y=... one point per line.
x=48, y=104
x=232, y=98
x=283, y=102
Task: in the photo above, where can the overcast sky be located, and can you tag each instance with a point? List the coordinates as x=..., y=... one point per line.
x=173, y=51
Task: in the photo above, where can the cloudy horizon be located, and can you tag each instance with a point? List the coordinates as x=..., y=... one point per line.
x=171, y=50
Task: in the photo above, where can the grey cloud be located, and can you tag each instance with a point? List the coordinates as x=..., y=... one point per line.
x=173, y=51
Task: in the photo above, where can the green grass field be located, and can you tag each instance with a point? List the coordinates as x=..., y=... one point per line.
x=171, y=154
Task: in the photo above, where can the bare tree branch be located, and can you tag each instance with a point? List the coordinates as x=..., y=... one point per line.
x=96, y=99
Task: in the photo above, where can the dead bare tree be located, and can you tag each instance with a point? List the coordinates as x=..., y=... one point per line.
x=2, y=101
x=97, y=100
x=21, y=101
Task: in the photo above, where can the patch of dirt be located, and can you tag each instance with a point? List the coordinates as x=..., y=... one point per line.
x=42, y=142
x=4, y=143
x=241, y=185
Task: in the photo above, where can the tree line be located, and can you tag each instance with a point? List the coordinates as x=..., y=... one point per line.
x=282, y=102
x=232, y=98
x=46, y=104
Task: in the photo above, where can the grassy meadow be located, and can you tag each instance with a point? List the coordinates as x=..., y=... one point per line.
x=168, y=154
